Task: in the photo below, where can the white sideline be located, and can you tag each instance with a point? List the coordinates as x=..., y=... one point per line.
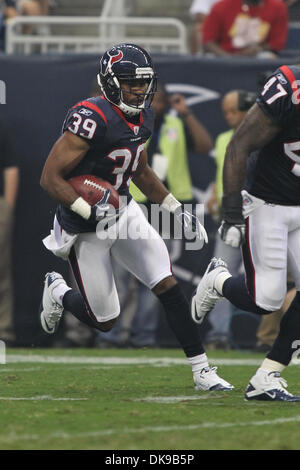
x=169, y=361
x=40, y=397
x=177, y=398
x=108, y=432
x=15, y=369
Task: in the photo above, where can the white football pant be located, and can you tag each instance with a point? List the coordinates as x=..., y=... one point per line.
x=272, y=243
x=135, y=245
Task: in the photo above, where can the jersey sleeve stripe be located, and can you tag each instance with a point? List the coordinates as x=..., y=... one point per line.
x=92, y=106
x=291, y=78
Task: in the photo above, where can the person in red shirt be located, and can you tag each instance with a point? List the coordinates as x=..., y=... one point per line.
x=245, y=27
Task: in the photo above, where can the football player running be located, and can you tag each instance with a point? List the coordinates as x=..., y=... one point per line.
x=105, y=136
x=261, y=213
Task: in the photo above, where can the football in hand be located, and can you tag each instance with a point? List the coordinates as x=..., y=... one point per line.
x=92, y=189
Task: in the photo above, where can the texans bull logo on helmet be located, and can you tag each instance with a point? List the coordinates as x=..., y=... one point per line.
x=112, y=59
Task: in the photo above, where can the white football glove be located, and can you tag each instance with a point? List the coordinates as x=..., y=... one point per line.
x=232, y=234
x=191, y=224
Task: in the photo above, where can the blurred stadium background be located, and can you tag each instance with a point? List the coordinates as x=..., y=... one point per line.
x=44, y=73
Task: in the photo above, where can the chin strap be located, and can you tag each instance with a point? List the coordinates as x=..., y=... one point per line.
x=131, y=112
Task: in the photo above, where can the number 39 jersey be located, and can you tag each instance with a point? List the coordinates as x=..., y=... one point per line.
x=273, y=172
x=115, y=148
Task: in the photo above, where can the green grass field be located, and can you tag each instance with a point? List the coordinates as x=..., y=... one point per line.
x=136, y=400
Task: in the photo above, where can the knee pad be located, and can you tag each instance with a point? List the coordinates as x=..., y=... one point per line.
x=270, y=290
x=268, y=303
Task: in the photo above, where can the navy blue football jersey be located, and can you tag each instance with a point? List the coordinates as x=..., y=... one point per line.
x=116, y=144
x=273, y=173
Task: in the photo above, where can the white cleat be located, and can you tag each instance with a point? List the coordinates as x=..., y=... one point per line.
x=208, y=379
x=268, y=386
x=206, y=295
x=50, y=311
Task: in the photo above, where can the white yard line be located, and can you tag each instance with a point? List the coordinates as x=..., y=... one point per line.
x=16, y=369
x=111, y=361
x=12, y=437
x=40, y=397
x=178, y=398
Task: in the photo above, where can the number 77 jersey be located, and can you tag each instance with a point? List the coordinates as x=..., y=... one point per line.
x=116, y=144
x=273, y=172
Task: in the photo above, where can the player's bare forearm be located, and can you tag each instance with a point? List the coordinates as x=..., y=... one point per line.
x=255, y=131
x=60, y=190
x=202, y=140
x=150, y=185
x=66, y=153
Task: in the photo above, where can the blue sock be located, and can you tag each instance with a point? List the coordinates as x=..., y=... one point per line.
x=75, y=304
x=287, y=341
x=179, y=318
x=235, y=290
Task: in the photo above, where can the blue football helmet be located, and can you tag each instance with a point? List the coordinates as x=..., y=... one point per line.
x=127, y=62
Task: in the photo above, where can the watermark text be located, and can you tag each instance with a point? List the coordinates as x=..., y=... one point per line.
x=2, y=92
x=137, y=222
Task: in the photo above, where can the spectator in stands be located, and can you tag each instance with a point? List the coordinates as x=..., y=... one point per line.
x=9, y=177
x=7, y=10
x=34, y=8
x=198, y=10
x=235, y=105
x=246, y=28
